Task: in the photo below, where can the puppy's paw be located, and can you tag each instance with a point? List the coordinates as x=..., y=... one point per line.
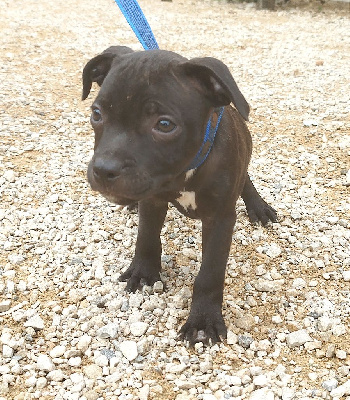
x=205, y=328
x=138, y=275
x=260, y=211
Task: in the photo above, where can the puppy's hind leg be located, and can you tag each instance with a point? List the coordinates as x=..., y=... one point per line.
x=257, y=208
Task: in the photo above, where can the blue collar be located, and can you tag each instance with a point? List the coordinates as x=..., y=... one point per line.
x=208, y=141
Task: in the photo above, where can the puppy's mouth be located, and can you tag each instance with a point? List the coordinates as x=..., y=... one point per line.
x=123, y=193
x=124, y=200
x=123, y=189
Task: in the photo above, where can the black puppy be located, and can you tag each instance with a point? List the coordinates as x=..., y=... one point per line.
x=155, y=120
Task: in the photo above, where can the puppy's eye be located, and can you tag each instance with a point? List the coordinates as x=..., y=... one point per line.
x=165, y=126
x=96, y=115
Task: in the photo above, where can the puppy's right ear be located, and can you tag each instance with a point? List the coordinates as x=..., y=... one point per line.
x=98, y=67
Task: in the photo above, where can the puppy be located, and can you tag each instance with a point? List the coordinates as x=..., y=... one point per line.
x=165, y=132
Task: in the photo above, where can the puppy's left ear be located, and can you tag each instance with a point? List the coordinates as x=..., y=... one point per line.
x=217, y=82
x=98, y=67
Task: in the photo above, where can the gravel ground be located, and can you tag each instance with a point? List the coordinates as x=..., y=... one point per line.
x=68, y=329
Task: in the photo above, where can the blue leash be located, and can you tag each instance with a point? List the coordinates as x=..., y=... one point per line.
x=138, y=23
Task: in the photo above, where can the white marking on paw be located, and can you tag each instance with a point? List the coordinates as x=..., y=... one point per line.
x=187, y=200
x=189, y=174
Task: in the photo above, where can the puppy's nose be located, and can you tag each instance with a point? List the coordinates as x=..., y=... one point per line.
x=107, y=169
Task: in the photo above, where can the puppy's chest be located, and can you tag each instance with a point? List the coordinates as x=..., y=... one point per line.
x=186, y=203
x=186, y=199
x=193, y=197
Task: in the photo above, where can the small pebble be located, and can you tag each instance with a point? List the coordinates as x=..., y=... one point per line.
x=57, y=351
x=330, y=384
x=5, y=305
x=56, y=375
x=138, y=328
x=92, y=371
x=341, y=354
x=35, y=322
x=298, y=338
x=44, y=363
x=109, y=331
x=262, y=394
x=129, y=349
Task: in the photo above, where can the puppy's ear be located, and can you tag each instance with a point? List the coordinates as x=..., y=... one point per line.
x=217, y=82
x=98, y=67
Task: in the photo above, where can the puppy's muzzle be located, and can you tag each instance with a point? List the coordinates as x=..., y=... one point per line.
x=109, y=170
x=120, y=180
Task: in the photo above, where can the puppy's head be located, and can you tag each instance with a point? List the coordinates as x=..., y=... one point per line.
x=149, y=117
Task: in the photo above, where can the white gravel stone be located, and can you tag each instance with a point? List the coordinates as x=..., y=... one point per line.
x=234, y=380
x=100, y=272
x=7, y=351
x=129, y=349
x=232, y=338
x=184, y=396
x=260, y=380
x=208, y=396
x=190, y=253
x=158, y=287
x=5, y=305
x=92, y=371
x=274, y=250
x=35, y=322
x=184, y=384
x=101, y=360
x=41, y=382
x=255, y=371
x=298, y=338
x=263, y=285
x=262, y=394
x=84, y=342
x=57, y=351
x=56, y=375
x=74, y=361
x=276, y=319
x=138, y=328
x=109, y=331
x=44, y=363
x=288, y=393
x=30, y=382
x=330, y=351
x=245, y=322
x=341, y=354
x=9, y=175
x=341, y=390
x=144, y=392
x=299, y=283
x=330, y=384
x=324, y=323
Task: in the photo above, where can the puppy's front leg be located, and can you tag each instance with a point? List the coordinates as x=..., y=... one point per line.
x=205, y=321
x=146, y=264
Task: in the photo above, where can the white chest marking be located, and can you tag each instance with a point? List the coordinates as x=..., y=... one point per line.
x=189, y=174
x=187, y=200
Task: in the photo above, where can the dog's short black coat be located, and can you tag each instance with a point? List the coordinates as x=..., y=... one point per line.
x=149, y=119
